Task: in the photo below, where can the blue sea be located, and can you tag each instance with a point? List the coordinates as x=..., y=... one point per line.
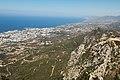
x=8, y=23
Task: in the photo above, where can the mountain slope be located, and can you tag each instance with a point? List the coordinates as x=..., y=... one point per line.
x=47, y=63
x=97, y=58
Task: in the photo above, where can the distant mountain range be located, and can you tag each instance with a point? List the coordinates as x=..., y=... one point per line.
x=111, y=17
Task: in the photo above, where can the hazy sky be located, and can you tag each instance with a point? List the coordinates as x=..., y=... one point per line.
x=64, y=8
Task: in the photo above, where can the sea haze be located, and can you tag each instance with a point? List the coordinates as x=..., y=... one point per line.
x=8, y=23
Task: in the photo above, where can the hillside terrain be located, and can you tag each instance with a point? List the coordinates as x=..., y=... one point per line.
x=97, y=58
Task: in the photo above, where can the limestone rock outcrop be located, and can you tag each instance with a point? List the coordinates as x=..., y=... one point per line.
x=97, y=58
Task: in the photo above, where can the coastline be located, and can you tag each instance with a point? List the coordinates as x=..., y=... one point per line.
x=20, y=23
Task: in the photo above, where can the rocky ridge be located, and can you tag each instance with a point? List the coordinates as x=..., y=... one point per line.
x=97, y=58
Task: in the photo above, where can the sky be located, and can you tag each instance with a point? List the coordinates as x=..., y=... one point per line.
x=60, y=8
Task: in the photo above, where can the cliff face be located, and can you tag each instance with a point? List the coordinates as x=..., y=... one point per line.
x=97, y=58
